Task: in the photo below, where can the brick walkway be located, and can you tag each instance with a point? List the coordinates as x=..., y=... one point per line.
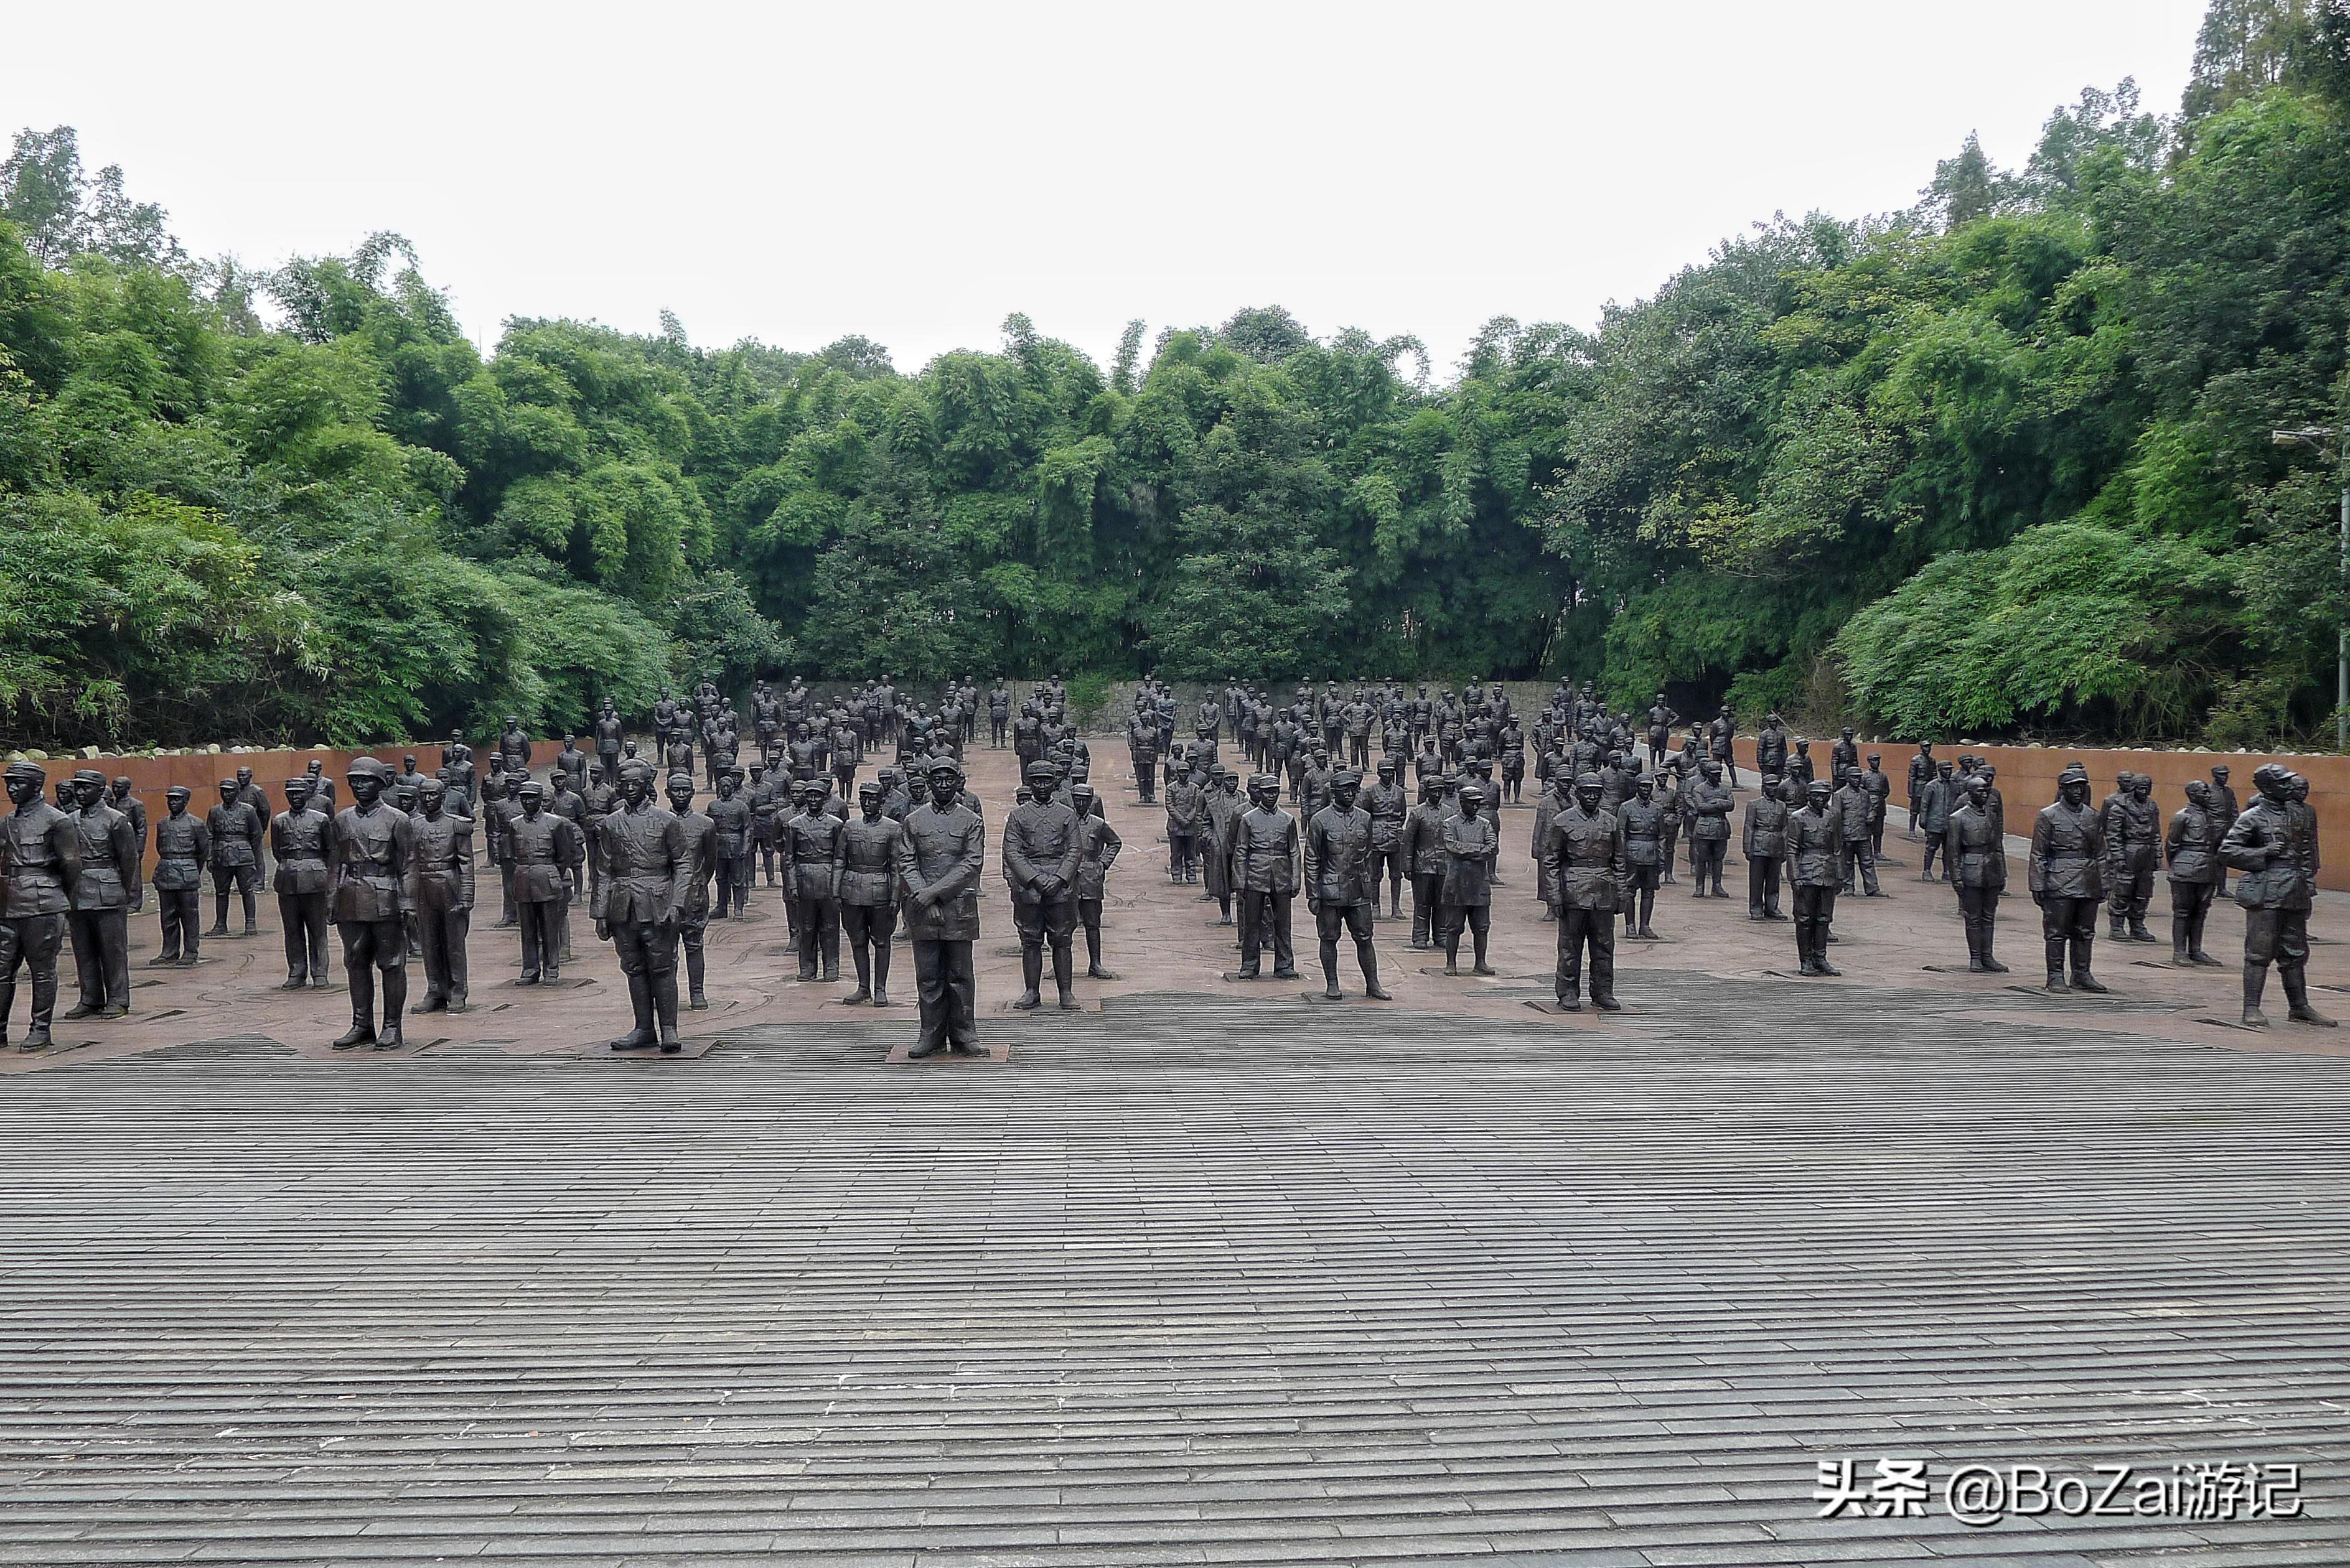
x=1213, y=1275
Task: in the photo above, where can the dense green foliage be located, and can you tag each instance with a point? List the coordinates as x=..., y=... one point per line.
x=2000, y=462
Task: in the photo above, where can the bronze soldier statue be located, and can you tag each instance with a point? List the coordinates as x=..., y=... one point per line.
x=938, y=863
x=441, y=890
x=1388, y=806
x=2133, y=854
x=2275, y=844
x=812, y=881
x=367, y=869
x=541, y=848
x=1705, y=805
x=124, y=800
x=236, y=832
x=1040, y=863
x=701, y=864
x=1763, y=840
x=40, y=864
x=99, y=918
x=2065, y=877
x=1975, y=850
x=646, y=867
x=1340, y=884
x=1266, y=843
x=871, y=847
x=1814, y=843
x=298, y=841
x=183, y=846
x=2191, y=849
x=1643, y=822
x=1472, y=844
x=1585, y=858
x=731, y=823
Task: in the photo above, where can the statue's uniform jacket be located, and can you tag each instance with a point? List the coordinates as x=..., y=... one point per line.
x=298, y=840
x=441, y=862
x=944, y=849
x=1470, y=843
x=369, y=857
x=2068, y=844
x=1338, y=858
x=184, y=845
x=109, y=855
x=1264, y=851
x=869, y=862
x=539, y=849
x=645, y=855
x=1814, y=842
x=1587, y=856
x=1975, y=849
x=1643, y=822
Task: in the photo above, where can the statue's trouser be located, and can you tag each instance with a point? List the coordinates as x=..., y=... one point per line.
x=690, y=933
x=2280, y=937
x=817, y=924
x=948, y=992
x=180, y=908
x=32, y=941
x=1478, y=920
x=1762, y=884
x=730, y=887
x=2126, y=900
x=1354, y=920
x=1182, y=853
x=1859, y=860
x=302, y=917
x=1052, y=919
x=444, y=934
x=101, y=950
x=542, y=944
x=1672, y=840
x=244, y=879
x=1979, y=907
x=1706, y=856
x=1581, y=929
x=1814, y=911
x=2068, y=923
x=866, y=929
x=1427, y=891
x=1265, y=920
x=2190, y=905
x=1640, y=904
x=1089, y=916
x=371, y=948
x=647, y=955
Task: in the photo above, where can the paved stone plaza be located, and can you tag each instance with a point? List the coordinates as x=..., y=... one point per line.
x=1212, y=1274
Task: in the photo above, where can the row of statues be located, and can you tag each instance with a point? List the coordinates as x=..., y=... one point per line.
x=395, y=870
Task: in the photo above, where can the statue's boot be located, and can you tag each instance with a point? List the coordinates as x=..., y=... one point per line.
x=1065, y=960
x=1330, y=991
x=1370, y=964
x=664, y=990
x=2256, y=979
x=1032, y=977
x=2179, y=952
x=2082, y=979
x=2296, y=996
x=1991, y=963
x=2195, y=940
x=2056, y=964
x=640, y=1003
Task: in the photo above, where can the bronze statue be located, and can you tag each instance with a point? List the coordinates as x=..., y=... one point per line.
x=1266, y=848
x=1705, y=805
x=812, y=881
x=184, y=847
x=701, y=864
x=2275, y=844
x=1040, y=863
x=367, y=868
x=1470, y=843
x=939, y=865
x=236, y=832
x=731, y=823
x=1098, y=848
x=2191, y=849
x=646, y=867
x=1340, y=886
x=1854, y=811
x=122, y=797
x=440, y=891
x=1763, y=840
x=1643, y=823
x=40, y=864
x=870, y=849
x=298, y=840
x=1585, y=859
x=541, y=849
x=2065, y=875
x=2133, y=854
x=1814, y=843
x=1975, y=850
x=99, y=920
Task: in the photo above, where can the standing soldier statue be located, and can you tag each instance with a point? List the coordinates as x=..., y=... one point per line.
x=2192, y=853
x=1584, y=859
x=299, y=839
x=183, y=846
x=939, y=865
x=1815, y=847
x=441, y=890
x=646, y=868
x=2064, y=875
x=2274, y=845
x=40, y=864
x=367, y=869
x=701, y=864
x=1341, y=886
x=541, y=848
x=1040, y=864
x=1975, y=851
x=870, y=847
x=100, y=920
x=1098, y=848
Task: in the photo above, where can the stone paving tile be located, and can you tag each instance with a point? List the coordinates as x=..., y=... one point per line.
x=1246, y=1284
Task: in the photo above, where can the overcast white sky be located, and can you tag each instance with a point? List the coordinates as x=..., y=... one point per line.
x=916, y=171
